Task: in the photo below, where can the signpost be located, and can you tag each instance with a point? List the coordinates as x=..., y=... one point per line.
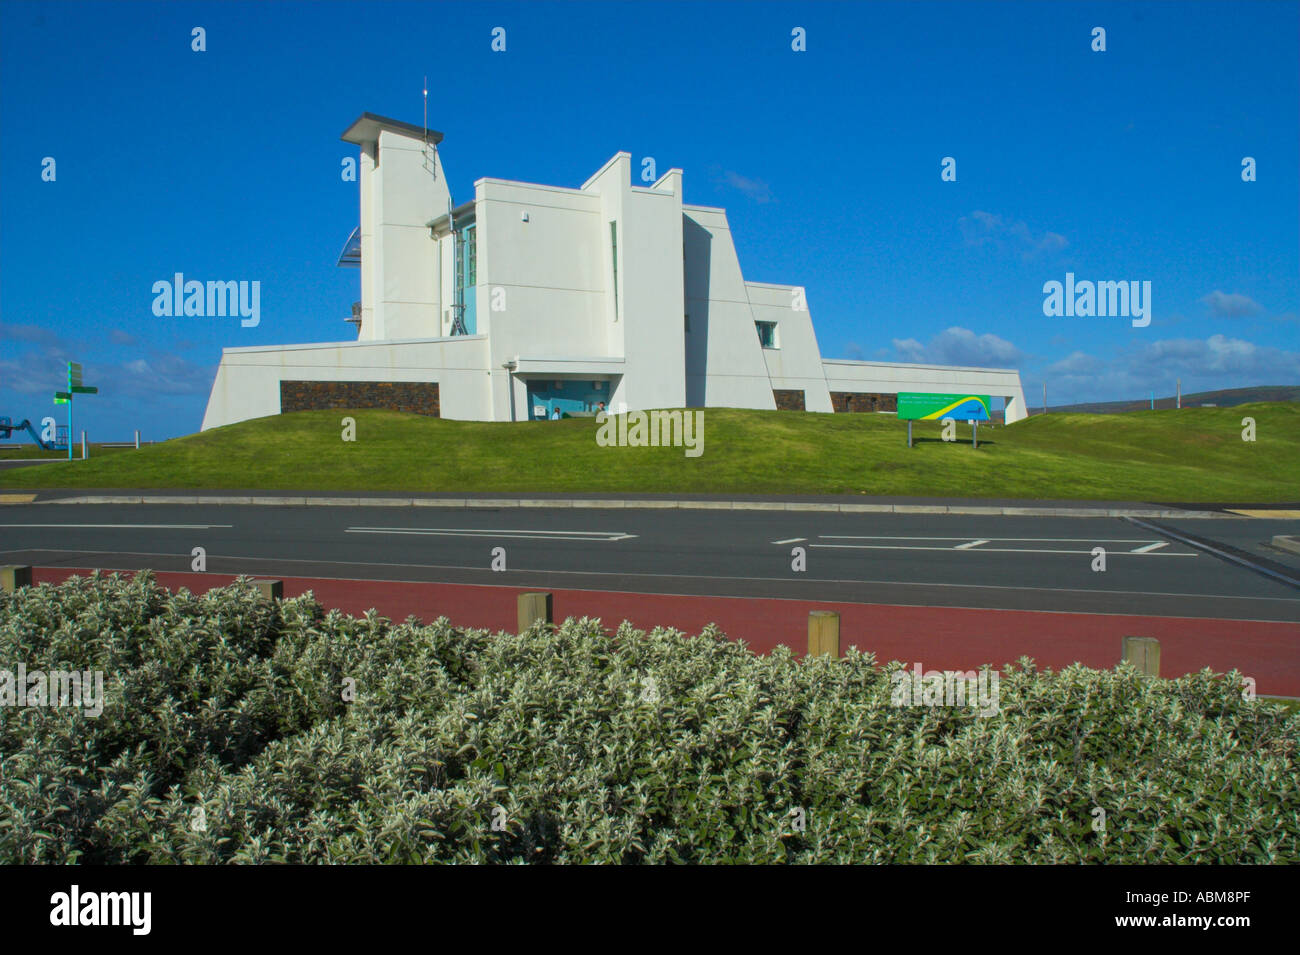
x=75, y=387
x=928, y=406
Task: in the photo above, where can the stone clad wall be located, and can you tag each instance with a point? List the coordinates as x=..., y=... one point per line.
x=788, y=400
x=414, y=397
x=849, y=401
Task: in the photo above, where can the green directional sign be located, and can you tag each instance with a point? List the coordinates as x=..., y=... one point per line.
x=75, y=387
x=927, y=406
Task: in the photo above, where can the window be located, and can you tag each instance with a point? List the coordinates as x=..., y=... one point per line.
x=766, y=334
x=613, y=250
x=471, y=256
x=466, y=302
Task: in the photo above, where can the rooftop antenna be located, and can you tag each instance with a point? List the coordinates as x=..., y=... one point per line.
x=429, y=164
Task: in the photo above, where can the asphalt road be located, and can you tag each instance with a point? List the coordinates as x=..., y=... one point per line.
x=1034, y=563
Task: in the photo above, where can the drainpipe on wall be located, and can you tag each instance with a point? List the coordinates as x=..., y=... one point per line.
x=510, y=385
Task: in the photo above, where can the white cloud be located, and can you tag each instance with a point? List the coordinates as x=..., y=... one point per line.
x=984, y=228
x=960, y=346
x=1222, y=305
x=42, y=369
x=755, y=189
x=1202, y=365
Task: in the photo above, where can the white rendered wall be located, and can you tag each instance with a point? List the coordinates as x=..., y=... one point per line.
x=370, y=256
x=796, y=362
x=724, y=360
x=248, y=379
x=544, y=274
x=652, y=299
x=399, y=268
x=890, y=378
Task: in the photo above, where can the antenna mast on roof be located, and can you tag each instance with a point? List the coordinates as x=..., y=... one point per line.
x=429, y=163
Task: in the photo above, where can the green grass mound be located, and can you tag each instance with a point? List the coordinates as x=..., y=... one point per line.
x=225, y=738
x=1193, y=454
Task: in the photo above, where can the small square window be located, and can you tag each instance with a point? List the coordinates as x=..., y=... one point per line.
x=766, y=334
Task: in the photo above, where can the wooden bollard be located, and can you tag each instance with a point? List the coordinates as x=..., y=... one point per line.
x=823, y=633
x=270, y=589
x=532, y=608
x=1144, y=654
x=13, y=576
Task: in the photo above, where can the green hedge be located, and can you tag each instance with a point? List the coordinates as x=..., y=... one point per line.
x=597, y=747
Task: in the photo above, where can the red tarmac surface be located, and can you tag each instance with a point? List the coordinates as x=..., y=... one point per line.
x=937, y=637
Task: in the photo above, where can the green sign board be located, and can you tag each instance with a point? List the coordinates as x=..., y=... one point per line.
x=74, y=373
x=924, y=406
x=62, y=396
x=84, y=390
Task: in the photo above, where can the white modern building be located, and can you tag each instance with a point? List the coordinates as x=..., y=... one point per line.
x=532, y=298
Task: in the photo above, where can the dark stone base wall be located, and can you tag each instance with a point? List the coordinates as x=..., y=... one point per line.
x=849, y=401
x=788, y=400
x=414, y=397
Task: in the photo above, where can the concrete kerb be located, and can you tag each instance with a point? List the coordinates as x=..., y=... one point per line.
x=635, y=504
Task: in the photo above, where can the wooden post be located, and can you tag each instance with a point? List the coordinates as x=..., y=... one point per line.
x=270, y=589
x=13, y=576
x=1143, y=653
x=532, y=608
x=823, y=633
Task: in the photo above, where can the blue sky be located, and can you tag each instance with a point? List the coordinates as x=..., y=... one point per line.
x=1122, y=165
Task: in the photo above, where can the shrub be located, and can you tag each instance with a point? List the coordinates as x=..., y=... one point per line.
x=226, y=738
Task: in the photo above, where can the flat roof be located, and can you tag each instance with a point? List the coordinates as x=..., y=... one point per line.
x=365, y=129
x=440, y=222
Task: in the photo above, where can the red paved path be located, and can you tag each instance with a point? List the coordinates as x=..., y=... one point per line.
x=937, y=637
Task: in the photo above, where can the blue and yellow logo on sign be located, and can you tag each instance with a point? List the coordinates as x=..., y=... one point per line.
x=919, y=406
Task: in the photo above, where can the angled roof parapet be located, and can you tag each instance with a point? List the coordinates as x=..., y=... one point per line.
x=366, y=127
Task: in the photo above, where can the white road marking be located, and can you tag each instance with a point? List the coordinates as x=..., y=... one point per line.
x=996, y=550
x=792, y=540
x=153, y=527
x=1055, y=540
x=494, y=533
x=1149, y=548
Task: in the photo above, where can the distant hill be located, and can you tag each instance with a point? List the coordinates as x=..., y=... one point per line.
x=1225, y=398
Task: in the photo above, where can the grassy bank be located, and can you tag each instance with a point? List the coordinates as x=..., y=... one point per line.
x=1193, y=454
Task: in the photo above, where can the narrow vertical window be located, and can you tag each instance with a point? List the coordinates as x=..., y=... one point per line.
x=613, y=250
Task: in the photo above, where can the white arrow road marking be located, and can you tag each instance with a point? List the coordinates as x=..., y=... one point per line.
x=153, y=527
x=1002, y=550
x=494, y=533
x=970, y=545
x=792, y=540
x=1149, y=548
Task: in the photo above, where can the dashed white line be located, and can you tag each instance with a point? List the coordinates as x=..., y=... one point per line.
x=152, y=527
x=968, y=546
x=588, y=536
